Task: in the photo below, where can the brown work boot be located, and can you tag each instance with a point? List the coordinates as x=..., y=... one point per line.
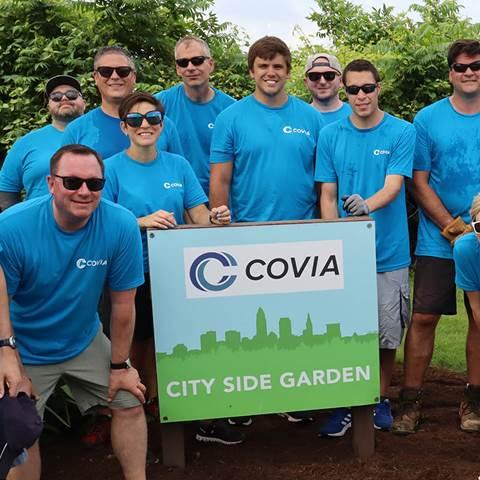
x=469, y=412
x=409, y=412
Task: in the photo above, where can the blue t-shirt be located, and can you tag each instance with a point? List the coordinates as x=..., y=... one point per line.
x=358, y=160
x=166, y=183
x=466, y=253
x=329, y=117
x=195, y=123
x=102, y=132
x=55, y=278
x=447, y=147
x=273, y=155
x=27, y=163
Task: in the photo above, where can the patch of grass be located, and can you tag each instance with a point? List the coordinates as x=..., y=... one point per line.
x=449, y=351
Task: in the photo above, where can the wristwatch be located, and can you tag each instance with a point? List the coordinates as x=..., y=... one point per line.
x=119, y=366
x=8, y=342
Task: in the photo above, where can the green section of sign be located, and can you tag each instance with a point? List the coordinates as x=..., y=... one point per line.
x=268, y=373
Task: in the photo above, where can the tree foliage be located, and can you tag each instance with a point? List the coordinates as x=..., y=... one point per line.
x=42, y=38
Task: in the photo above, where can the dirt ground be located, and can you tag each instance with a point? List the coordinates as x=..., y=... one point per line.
x=276, y=449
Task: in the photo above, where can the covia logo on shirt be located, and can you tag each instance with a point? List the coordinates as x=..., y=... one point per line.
x=211, y=125
x=263, y=269
x=84, y=263
x=293, y=130
x=379, y=151
x=169, y=185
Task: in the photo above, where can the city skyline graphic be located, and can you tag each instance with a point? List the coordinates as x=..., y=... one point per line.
x=285, y=339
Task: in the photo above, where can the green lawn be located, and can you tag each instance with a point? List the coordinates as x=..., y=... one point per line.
x=449, y=349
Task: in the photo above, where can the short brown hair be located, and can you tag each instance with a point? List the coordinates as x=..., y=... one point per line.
x=136, y=97
x=360, y=65
x=468, y=47
x=267, y=48
x=77, y=150
x=113, y=49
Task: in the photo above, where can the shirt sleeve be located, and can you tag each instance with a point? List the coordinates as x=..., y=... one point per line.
x=11, y=174
x=464, y=255
x=110, y=190
x=194, y=194
x=69, y=136
x=173, y=142
x=324, y=166
x=222, y=148
x=423, y=154
x=401, y=160
x=126, y=266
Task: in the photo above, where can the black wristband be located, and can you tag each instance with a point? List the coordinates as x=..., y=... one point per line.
x=119, y=366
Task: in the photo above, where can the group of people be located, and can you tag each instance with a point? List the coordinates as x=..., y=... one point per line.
x=194, y=154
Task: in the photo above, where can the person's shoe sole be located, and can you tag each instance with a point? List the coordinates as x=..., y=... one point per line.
x=295, y=419
x=243, y=424
x=340, y=433
x=206, y=439
x=403, y=432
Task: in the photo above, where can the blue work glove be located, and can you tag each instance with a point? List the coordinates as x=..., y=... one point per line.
x=355, y=205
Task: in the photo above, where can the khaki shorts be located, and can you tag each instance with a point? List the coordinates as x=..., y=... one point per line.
x=393, y=307
x=87, y=375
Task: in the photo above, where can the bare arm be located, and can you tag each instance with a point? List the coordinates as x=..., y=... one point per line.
x=11, y=368
x=7, y=199
x=220, y=180
x=426, y=198
x=328, y=201
x=384, y=196
x=122, y=322
x=201, y=215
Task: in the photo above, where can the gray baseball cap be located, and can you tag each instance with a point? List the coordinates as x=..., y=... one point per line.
x=323, y=60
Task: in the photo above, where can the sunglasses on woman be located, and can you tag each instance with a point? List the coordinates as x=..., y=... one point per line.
x=135, y=119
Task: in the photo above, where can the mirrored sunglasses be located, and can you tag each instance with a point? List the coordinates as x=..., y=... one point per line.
x=74, y=183
x=462, y=67
x=107, y=72
x=195, y=61
x=69, y=95
x=367, y=88
x=315, y=76
x=135, y=119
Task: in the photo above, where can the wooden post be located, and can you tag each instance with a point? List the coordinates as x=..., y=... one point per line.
x=363, y=438
x=173, y=444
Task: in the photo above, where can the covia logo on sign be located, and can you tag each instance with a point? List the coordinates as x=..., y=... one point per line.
x=197, y=271
x=266, y=268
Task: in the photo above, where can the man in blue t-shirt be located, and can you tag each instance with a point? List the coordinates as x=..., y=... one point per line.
x=445, y=179
x=263, y=146
x=323, y=78
x=57, y=252
x=263, y=150
x=27, y=163
x=362, y=162
x=194, y=104
x=115, y=76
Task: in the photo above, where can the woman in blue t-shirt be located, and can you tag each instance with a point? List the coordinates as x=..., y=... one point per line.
x=158, y=187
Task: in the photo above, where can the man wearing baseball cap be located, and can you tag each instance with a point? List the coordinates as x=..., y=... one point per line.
x=26, y=164
x=323, y=78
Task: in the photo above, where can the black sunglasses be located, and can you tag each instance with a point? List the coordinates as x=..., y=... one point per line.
x=135, y=119
x=69, y=95
x=462, y=67
x=367, y=88
x=107, y=72
x=195, y=61
x=315, y=76
x=74, y=183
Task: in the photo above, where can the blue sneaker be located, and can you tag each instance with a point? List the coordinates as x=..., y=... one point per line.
x=382, y=415
x=339, y=421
